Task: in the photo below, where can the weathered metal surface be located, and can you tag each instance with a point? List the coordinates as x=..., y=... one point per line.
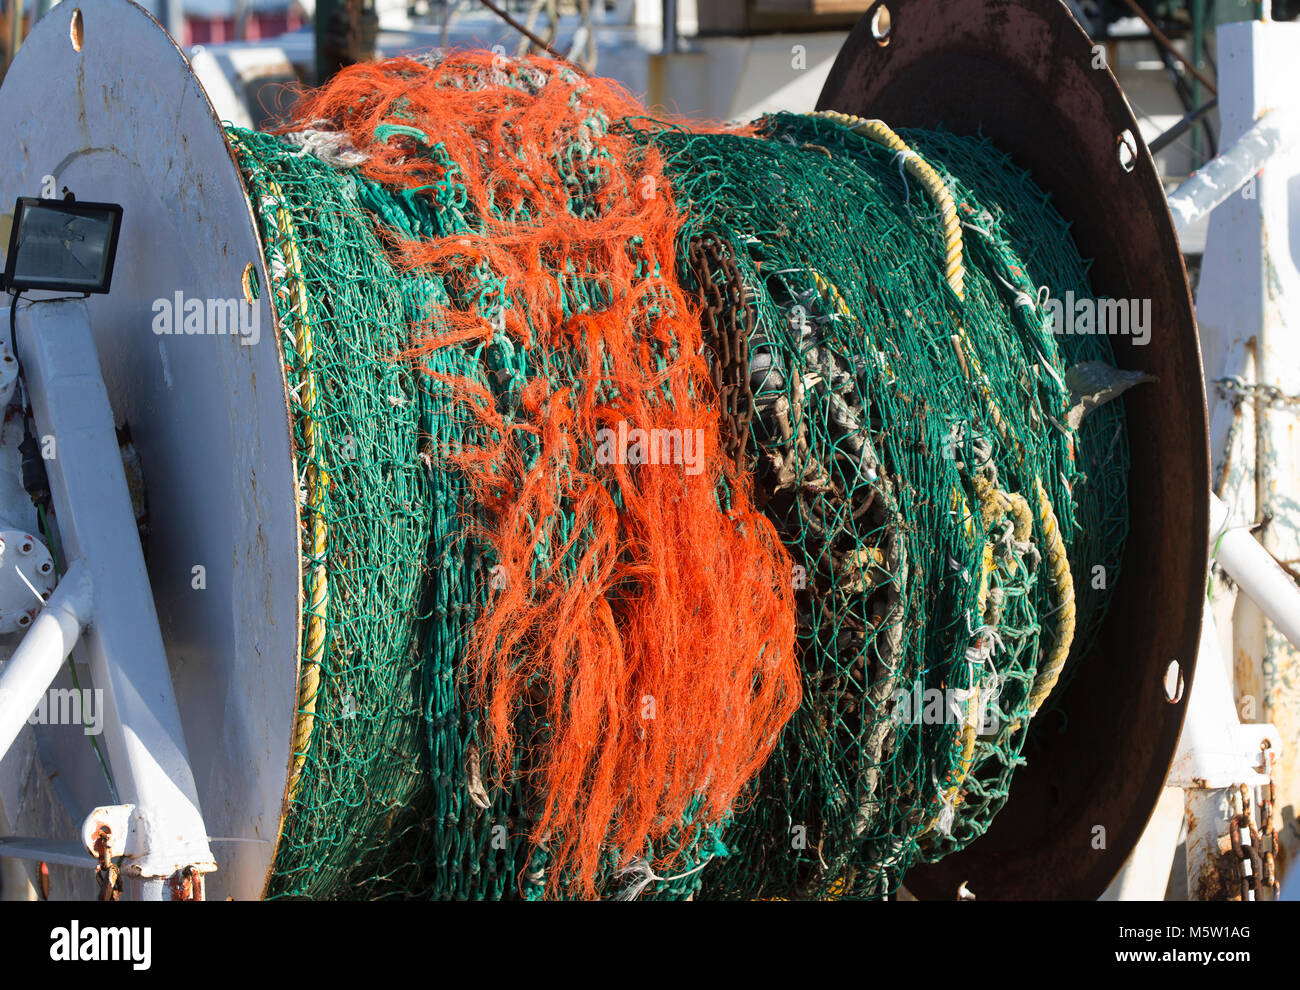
x=1217, y=756
x=1231, y=169
x=185, y=885
x=1246, y=303
x=1213, y=873
x=1028, y=76
x=142, y=733
x=1216, y=748
x=64, y=852
x=208, y=413
x=110, y=824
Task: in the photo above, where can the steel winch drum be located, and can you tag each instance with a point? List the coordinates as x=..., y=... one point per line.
x=1026, y=75
x=210, y=418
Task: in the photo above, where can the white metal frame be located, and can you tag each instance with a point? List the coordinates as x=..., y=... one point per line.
x=209, y=419
x=106, y=598
x=1248, y=282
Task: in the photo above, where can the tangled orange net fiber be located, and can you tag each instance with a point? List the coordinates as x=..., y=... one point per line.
x=647, y=616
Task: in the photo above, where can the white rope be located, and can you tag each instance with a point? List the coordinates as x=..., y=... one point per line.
x=645, y=876
x=332, y=147
x=902, y=158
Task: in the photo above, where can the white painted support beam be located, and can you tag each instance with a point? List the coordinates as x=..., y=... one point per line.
x=142, y=730
x=1230, y=170
x=1145, y=877
x=1216, y=749
x=1247, y=320
x=36, y=662
x=1255, y=571
x=1216, y=754
x=60, y=852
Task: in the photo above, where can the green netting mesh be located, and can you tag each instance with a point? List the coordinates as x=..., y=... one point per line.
x=876, y=458
x=855, y=376
x=389, y=802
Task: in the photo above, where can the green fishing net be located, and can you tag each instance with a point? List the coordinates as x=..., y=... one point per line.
x=874, y=455
x=391, y=798
x=866, y=434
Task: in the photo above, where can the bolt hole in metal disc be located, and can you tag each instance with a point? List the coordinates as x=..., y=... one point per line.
x=250, y=284
x=128, y=123
x=1127, y=145
x=1022, y=71
x=882, y=23
x=1174, y=685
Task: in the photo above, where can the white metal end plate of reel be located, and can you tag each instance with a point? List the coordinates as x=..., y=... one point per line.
x=101, y=100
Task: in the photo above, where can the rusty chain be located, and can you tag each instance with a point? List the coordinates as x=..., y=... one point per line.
x=1266, y=814
x=1245, y=847
x=1255, y=848
x=186, y=885
x=1269, y=395
x=106, y=872
x=183, y=885
x=728, y=320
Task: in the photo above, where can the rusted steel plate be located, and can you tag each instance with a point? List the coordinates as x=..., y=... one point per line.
x=1027, y=75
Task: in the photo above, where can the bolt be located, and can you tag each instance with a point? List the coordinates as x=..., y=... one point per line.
x=24, y=620
x=46, y=567
x=26, y=547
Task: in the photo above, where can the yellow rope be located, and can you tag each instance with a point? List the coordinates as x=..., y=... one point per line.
x=1049, y=670
x=919, y=168
x=1059, y=565
x=830, y=292
x=317, y=486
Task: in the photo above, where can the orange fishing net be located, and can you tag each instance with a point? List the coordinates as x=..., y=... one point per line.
x=646, y=615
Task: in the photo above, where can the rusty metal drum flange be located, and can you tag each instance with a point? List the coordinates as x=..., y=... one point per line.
x=1025, y=74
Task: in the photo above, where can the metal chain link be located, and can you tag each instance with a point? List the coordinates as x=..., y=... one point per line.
x=186, y=885
x=1270, y=395
x=1240, y=832
x=728, y=322
x=1256, y=847
x=1268, y=822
